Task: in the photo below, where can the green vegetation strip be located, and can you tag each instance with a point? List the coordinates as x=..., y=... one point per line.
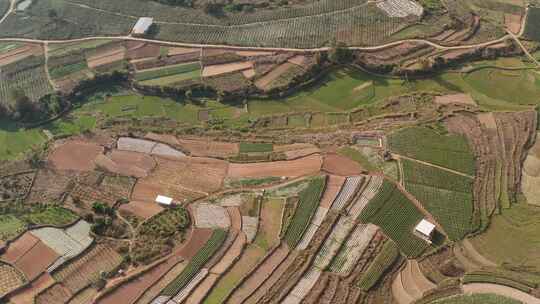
x=378, y=267
x=307, y=206
x=167, y=71
x=61, y=71
x=397, y=217
x=447, y=196
x=246, y=147
x=429, y=145
x=196, y=264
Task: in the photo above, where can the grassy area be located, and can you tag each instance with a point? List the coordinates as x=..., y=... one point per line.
x=397, y=217
x=307, y=206
x=511, y=239
x=10, y=226
x=50, y=215
x=384, y=260
x=246, y=147
x=476, y=298
x=359, y=157
x=167, y=71
x=430, y=145
x=14, y=141
x=447, y=196
x=269, y=229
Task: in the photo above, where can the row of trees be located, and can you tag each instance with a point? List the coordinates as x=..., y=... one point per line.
x=20, y=107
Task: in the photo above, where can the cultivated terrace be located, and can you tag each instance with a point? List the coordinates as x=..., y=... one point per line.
x=246, y=152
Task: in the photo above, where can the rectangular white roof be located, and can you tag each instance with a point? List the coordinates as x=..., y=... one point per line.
x=142, y=25
x=164, y=200
x=425, y=227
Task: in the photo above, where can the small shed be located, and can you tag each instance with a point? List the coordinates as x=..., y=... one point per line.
x=164, y=200
x=425, y=230
x=142, y=26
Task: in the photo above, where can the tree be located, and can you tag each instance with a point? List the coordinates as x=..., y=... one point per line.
x=340, y=54
x=22, y=103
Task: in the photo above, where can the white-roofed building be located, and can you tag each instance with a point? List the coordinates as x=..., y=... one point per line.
x=142, y=26
x=164, y=200
x=425, y=230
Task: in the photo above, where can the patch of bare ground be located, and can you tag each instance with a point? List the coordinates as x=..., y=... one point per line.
x=441, y=265
x=219, y=69
x=126, y=163
x=254, y=53
x=19, y=54
x=142, y=50
x=340, y=165
x=455, y=98
x=265, y=81
x=330, y=291
x=27, y=294
x=293, y=168
x=56, y=294
x=333, y=185
x=513, y=22
x=144, y=210
x=317, y=291
x=208, y=147
x=75, y=155
x=155, y=289
x=106, y=57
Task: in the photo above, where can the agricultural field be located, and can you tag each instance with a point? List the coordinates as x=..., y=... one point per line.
x=432, y=146
x=391, y=210
x=447, y=196
x=267, y=152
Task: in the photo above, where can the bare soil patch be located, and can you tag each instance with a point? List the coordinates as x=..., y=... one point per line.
x=207, y=147
x=340, y=165
x=143, y=51
x=145, y=210
x=333, y=185
x=163, y=138
x=264, y=82
x=231, y=256
x=19, y=54
x=27, y=294
x=501, y=290
x=250, y=73
x=19, y=248
x=36, y=260
x=127, y=163
x=109, y=56
x=181, y=50
x=198, y=238
x=298, y=60
x=455, y=99
x=253, y=53
x=75, y=155
x=219, y=69
x=513, y=22
x=290, y=168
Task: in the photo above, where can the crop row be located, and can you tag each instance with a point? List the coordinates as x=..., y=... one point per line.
x=33, y=82
x=378, y=267
x=307, y=206
x=447, y=196
x=359, y=26
x=168, y=71
x=196, y=264
x=449, y=151
x=397, y=217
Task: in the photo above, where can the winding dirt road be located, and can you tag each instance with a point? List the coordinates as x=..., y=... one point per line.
x=502, y=291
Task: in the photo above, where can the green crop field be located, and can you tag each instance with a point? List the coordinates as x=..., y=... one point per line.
x=384, y=260
x=477, y=299
x=246, y=147
x=167, y=71
x=196, y=264
x=307, y=206
x=425, y=144
x=397, y=217
x=50, y=215
x=61, y=71
x=14, y=141
x=532, y=27
x=447, y=196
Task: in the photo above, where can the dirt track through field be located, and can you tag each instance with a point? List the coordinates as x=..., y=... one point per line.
x=502, y=291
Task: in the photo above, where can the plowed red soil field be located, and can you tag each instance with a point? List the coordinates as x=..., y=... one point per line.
x=36, y=260
x=291, y=168
x=333, y=185
x=75, y=155
x=340, y=165
x=19, y=247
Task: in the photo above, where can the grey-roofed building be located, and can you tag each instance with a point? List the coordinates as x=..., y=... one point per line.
x=142, y=25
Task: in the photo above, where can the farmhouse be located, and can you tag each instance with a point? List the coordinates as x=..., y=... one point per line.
x=425, y=230
x=142, y=26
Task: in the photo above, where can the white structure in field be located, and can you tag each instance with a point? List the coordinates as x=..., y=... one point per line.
x=142, y=26
x=425, y=230
x=164, y=200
